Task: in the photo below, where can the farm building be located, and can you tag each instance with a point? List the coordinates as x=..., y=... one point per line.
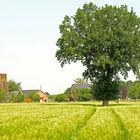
x=43, y=95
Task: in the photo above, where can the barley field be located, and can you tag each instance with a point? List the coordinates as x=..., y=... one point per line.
x=70, y=121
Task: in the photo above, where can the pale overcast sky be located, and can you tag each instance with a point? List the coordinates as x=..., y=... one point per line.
x=29, y=30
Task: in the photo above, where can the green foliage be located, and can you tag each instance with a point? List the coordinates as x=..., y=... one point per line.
x=73, y=94
x=105, y=90
x=129, y=83
x=16, y=97
x=80, y=81
x=2, y=95
x=85, y=96
x=13, y=98
x=13, y=86
x=79, y=94
x=34, y=96
x=134, y=91
x=106, y=40
x=60, y=98
x=51, y=97
x=20, y=97
x=122, y=84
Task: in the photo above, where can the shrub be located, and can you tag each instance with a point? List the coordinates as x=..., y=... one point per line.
x=60, y=98
x=34, y=96
x=20, y=97
x=134, y=91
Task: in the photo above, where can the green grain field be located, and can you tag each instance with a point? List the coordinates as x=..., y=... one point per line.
x=73, y=121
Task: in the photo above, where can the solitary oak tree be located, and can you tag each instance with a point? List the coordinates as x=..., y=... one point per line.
x=106, y=40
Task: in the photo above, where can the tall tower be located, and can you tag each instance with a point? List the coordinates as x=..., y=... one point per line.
x=3, y=82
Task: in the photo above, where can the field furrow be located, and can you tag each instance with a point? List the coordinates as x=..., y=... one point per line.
x=82, y=123
x=125, y=132
x=101, y=126
x=131, y=119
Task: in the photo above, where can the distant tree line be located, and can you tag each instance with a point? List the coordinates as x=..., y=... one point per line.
x=127, y=90
x=72, y=95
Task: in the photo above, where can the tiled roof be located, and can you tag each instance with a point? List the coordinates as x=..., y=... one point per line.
x=81, y=85
x=27, y=92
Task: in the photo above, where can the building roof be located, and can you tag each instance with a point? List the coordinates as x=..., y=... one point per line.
x=47, y=93
x=81, y=85
x=12, y=92
x=27, y=92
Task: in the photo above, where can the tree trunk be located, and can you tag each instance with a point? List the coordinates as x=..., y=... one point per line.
x=105, y=102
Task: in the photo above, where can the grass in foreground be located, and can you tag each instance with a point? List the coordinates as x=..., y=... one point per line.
x=77, y=121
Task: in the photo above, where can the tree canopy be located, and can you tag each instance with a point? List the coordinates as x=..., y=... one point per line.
x=60, y=97
x=20, y=97
x=134, y=91
x=79, y=94
x=16, y=97
x=14, y=86
x=106, y=40
x=80, y=81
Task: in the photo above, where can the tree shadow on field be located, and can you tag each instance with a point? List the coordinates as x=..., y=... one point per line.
x=116, y=105
x=74, y=104
x=90, y=104
x=121, y=104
